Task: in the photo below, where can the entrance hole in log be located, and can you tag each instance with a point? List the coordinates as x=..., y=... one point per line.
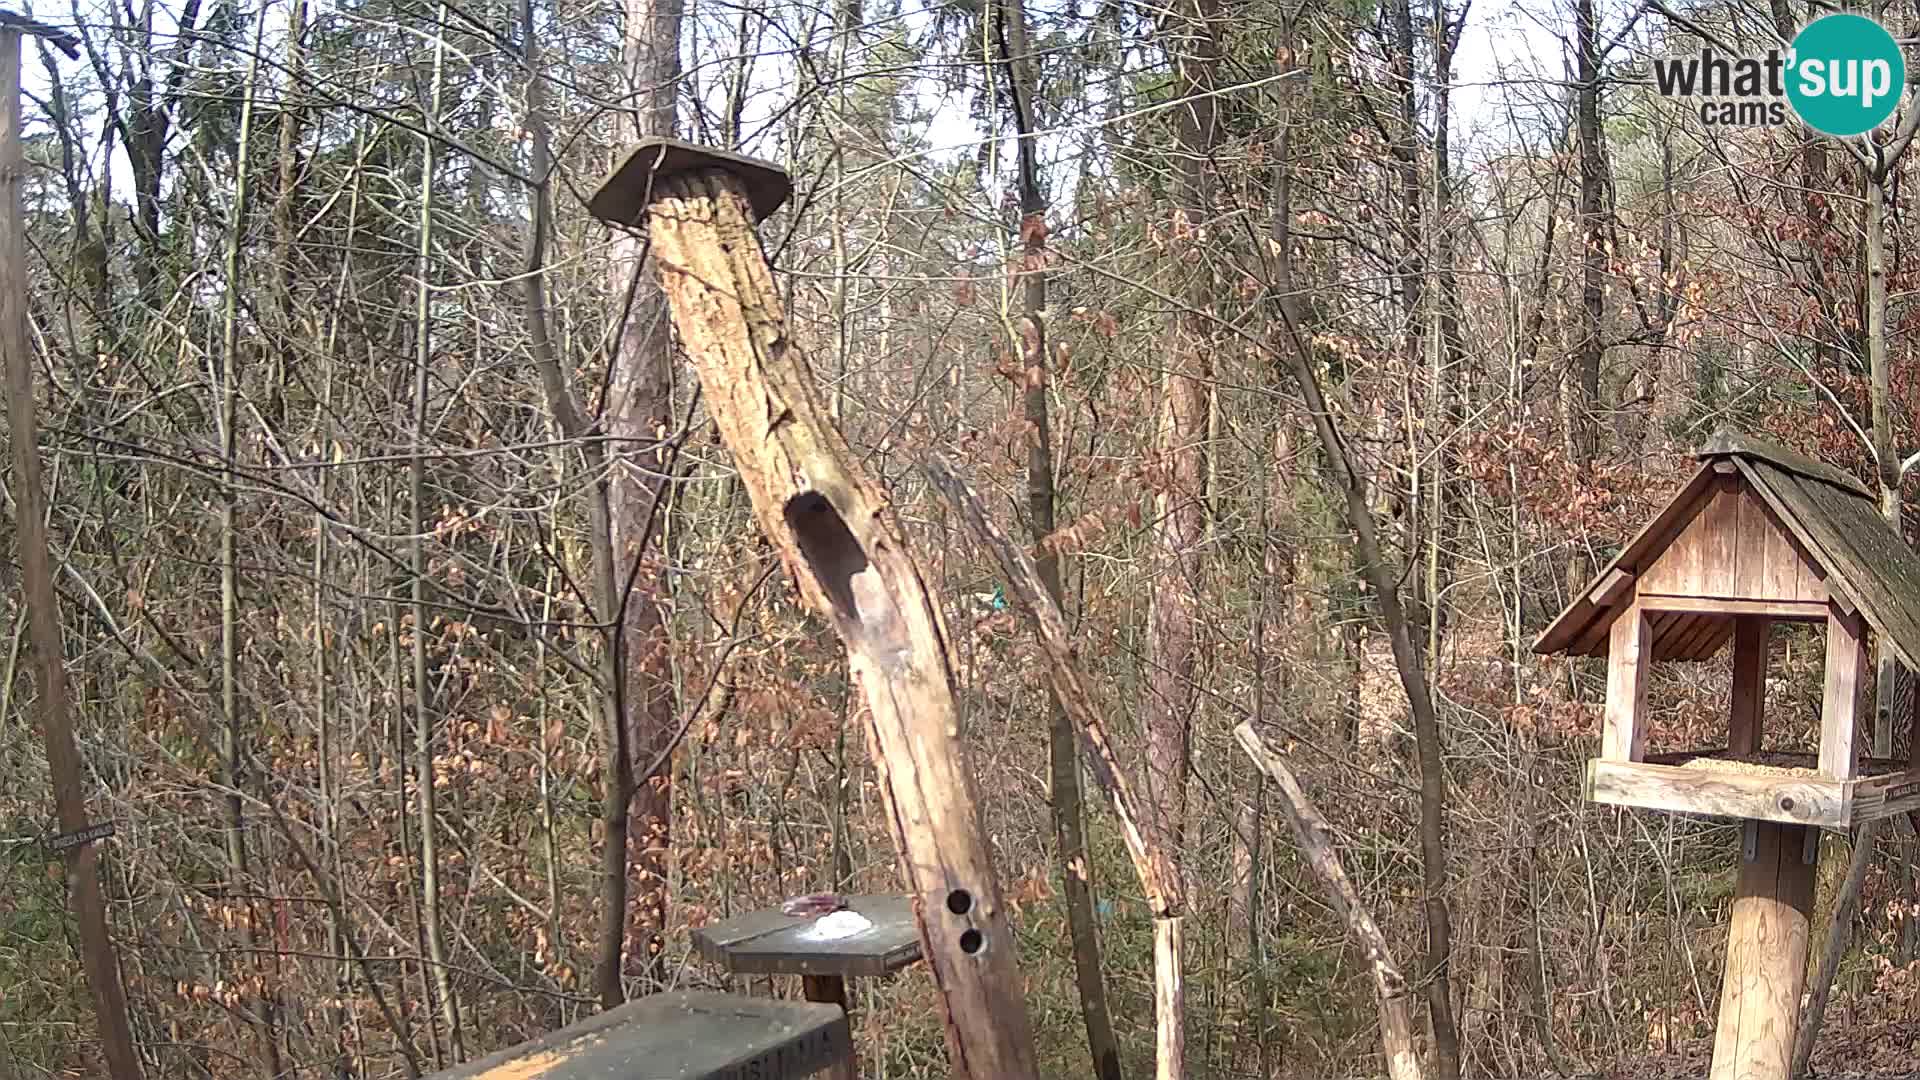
x=959, y=901
x=972, y=941
x=863, y=605
x=830, y=550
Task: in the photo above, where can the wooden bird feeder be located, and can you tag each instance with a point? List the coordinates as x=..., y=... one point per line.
x=1759, y=535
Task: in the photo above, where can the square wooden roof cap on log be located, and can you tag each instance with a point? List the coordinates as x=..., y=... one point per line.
x=623, y=196
x=1830, y=514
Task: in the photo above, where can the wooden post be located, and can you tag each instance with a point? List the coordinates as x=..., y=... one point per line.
x=832, y=990
x=1169, y=1000
x=852, y=561
x=1750, y=633
x=1840, y=702
x=1629, y=654
x=1766, y=957
x=36, y=573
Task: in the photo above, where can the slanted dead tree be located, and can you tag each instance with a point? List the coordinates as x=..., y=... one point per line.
x=1159, y=876
x=36, y=574
x=851, y=559
x=1315, y=838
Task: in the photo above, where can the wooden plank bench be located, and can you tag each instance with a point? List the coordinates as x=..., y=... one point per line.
x=685, y=1035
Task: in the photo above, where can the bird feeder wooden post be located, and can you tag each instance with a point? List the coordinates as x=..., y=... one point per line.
x=851, y=559
x=1758, y=536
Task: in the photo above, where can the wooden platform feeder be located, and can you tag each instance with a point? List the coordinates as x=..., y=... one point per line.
x=1759, y=535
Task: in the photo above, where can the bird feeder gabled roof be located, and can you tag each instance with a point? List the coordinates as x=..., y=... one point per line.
x=1832, y=521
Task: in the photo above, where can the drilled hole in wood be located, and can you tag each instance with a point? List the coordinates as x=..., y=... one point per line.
x=829, y=548
x=959, y=901
x=972, y=941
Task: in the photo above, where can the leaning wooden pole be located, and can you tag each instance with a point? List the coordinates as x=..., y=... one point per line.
x=36, y=575
x=851, y=559
x=1159, y=880
x=1315, y=837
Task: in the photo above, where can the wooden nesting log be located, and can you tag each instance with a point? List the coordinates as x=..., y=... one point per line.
x=851, y=559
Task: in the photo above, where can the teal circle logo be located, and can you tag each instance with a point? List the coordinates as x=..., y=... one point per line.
x=1846, y=74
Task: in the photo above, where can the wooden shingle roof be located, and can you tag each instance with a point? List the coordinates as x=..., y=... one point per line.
x=1831, y=516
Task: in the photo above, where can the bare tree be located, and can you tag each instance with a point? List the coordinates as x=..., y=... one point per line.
x=1069, y=836
x=638, y=424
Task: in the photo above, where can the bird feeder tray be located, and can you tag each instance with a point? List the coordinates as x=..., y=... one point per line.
x=1767, y=786
x=773, y=943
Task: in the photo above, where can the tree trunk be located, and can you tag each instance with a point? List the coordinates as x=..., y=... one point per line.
x=234, y=746
x=1444, y=348
x=1179, y=518
x=1406, y=161
x=1588, y=346
x=639, y=422
x=1076, y=872
x=1180, y=504
x=616, y=760
x=423, y=709
x=1879, y=369
x=97, y=955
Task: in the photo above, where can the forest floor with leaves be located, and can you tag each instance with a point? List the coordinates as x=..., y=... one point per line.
x=1864, y=1047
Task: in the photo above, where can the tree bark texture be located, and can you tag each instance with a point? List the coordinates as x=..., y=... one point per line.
x=1406, y=159
x=1588, y=347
